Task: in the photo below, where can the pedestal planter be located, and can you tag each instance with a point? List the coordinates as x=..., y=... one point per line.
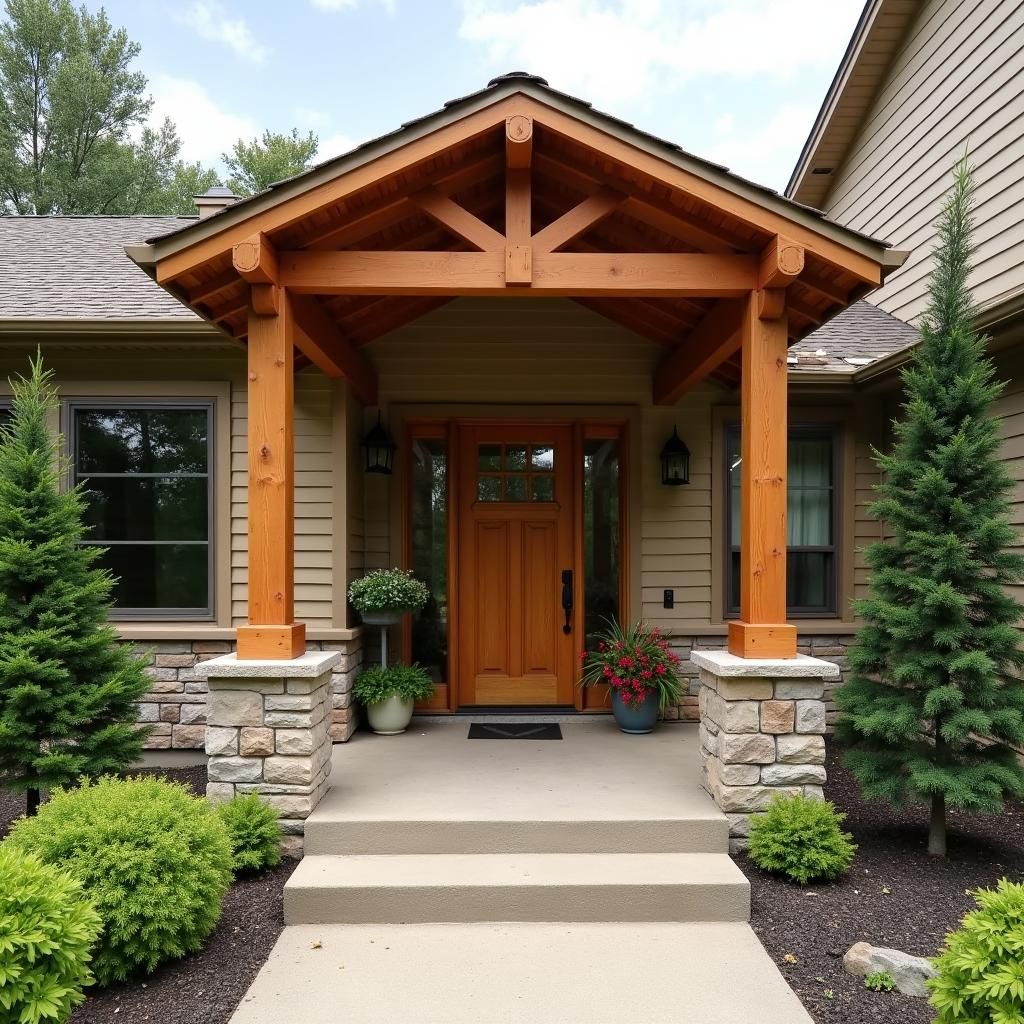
x=390, y=717
x=636, y=720
x=390, y=618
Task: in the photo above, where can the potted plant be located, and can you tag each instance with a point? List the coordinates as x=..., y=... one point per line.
x=388, y=694
x=640, y=671
x=383, y=596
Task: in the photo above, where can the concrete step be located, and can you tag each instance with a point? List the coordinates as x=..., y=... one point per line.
x=417, y=888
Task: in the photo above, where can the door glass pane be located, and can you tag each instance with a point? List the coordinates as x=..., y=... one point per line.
x=515, y=458
x=489, y=457
x=515, y=488
x=489, y=488
x=429, y=519
x=601, y=481
x=543, y=458
x=543, y=488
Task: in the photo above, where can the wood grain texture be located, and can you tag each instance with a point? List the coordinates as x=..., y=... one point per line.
x=712, y=341
x=579, y=219
x=458, y=220
x=319, y=338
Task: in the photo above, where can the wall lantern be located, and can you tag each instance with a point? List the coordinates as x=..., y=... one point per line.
x=675, y=461
x=379, y=449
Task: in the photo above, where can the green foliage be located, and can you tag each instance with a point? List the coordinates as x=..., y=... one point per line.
x=377, y=684
x=67, y=687
x=880, y=981
x=154, y=860
x=980, y=976
x=388, y=590
x=255, y=166
x=935, y=702
x=254, y=832
x=800, y=837
x=47, y=927
x=632, y=662
x=71, y=106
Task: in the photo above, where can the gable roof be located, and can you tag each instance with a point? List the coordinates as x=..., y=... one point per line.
x=76, y=269
x=853, y=339
x=869, y=54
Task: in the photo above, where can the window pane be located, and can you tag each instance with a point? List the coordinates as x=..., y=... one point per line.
x=429, y=517
x=515, y=458
x=141, y=440
x=147, y=508
x=159, y=575
x=489, y=456
x=515, y=488
x=734, y=464
x=809, y=498
x=543, y=458
x=489, y=488
x=543, y=488
x=809, y=579
x=5, y=415
x=600, y=534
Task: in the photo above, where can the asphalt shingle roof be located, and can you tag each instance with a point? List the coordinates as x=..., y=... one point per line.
x=856, y=337
x=75, y=268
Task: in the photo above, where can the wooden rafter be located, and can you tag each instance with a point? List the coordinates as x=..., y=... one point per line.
x=319, y=338
x=712, y=341
x=458, y=220
x=579, y=219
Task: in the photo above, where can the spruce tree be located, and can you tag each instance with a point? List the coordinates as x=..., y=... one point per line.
x=935, y=703
x=67, y=686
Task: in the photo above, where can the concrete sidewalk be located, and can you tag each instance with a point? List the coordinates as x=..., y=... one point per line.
x=622, y=973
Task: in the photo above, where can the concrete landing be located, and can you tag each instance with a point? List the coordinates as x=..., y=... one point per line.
x=520, y=974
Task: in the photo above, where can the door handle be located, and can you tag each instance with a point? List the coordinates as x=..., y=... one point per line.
x=567, y=594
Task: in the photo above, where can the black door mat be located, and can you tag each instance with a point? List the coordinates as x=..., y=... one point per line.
x=515, y=731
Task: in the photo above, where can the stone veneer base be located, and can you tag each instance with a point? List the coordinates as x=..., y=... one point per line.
x=268, y=732
x=762, y=725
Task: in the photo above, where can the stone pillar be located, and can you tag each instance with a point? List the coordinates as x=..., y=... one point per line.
x=267, y=732
x=762, y=725
x=343, y=710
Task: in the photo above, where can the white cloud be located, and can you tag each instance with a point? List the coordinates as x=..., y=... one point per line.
x=205, y=129
x=614, y=51
x=210, y=20
x=310, y=117
x=335, y=145
x=767, y=153
x=348, y=5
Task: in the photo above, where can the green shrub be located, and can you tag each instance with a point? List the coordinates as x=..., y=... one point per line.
x=880, y=981
x=981, y=967
x=47, y=927
x=377, y=684
x=154, y=860
x=388, y=590
x=254, y=832
x=800, y=837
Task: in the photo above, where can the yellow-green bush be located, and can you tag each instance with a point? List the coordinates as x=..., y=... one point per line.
x=154, y=860
x=254, y=832
x=47, y=927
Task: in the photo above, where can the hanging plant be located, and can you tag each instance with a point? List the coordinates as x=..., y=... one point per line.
x=388, y=590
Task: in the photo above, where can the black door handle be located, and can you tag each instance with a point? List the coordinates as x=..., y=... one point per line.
x=567, y=590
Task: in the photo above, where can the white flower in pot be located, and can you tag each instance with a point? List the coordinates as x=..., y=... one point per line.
x=383, y=596
x=388, y=694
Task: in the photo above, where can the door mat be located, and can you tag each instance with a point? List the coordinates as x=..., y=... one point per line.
x=515, y=731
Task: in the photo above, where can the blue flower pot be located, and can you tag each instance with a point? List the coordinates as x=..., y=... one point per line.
x=636, y=720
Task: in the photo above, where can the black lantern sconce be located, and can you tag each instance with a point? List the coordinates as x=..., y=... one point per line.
x=379, y=449
x=675, y=461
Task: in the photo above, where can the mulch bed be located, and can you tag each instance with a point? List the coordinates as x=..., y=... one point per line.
x=895, y=895
x=206, y=987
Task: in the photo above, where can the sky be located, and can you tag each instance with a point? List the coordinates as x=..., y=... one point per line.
x=735, y=81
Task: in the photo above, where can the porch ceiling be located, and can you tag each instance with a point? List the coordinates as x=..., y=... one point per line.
x=407, y=200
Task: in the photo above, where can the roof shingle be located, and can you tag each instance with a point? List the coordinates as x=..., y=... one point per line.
x=859, y=335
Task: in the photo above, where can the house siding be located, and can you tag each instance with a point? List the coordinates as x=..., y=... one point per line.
x=956, y=84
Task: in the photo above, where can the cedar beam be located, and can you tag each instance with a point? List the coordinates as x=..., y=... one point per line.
x=320, y=340
x=574, y=275
x=762, y=630
x=710, y=343
x=518, y=141
x=255, y=259
x=458, y=220
x=272, y=632
x=580, y=218
x=518, y=227
x=782, y=262
x=204, y=292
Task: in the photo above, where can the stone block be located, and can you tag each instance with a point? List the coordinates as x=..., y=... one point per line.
x=170, y=712
x=708, y=739
x=171, y=647
x=732, y=715
x=739, y=825
x=235, y=769
x=167, y=685
x=211, y=646
x=155, y=742
x=801, y=749
x=188, y=737
x=745, y=689
x=732, y=774
x=193, y=714
x=290, y=771
x=746, y=748
x=814, y=792
x=147, y=712
x=291, y=806
x=291, y=719
x=342, y=731
x=256, y=741
x=777, y=716
x=793, y=774
x=197, y=686
x=749, y=799
x=295, y=741
x=289, y=702
x=221, y=741
x=799, y=689
x=174, y=660
x=810, y=716
x=234, y=707
x=219, y=792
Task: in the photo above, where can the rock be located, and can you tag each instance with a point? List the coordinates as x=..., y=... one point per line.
x=909, y=972
x=810, y=716
x=746, y=748
x=793, y=774
x=777, y=716
x=801, y=749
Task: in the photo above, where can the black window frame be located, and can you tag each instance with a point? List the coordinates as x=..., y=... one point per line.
x=209, y=406
x=834, y=432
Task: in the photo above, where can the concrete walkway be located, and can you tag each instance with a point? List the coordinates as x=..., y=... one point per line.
x=705, y=973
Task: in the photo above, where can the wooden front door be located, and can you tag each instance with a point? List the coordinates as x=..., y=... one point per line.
x=515, y=551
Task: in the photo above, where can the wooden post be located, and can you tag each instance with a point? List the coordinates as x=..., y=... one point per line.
x=762, y=630
x=272, y=632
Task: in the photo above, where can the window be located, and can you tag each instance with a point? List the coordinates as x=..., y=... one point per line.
x=147, y=471
x=515, y=472
x=5, y=411
x=601, y=534
x=811, y=576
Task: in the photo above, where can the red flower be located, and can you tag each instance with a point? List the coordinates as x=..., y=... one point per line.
x=646, y=673
x=660, y=670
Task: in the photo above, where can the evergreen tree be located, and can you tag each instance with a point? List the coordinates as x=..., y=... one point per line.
x=67, y=686
x=935, y=702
